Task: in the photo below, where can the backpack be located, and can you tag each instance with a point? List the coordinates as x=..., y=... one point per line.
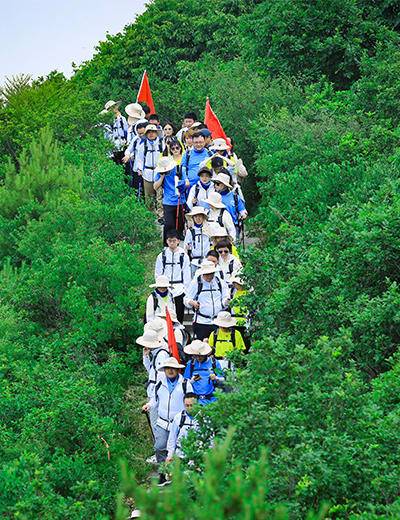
x=191, y=366
x=165, y=263
x=220, y=217
x=153, y=361
x=146, y=150
x=214, y=335
x=200, y=287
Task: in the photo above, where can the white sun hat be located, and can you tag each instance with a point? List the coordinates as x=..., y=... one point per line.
x=236, y=279
x=165, y=164
x=135, y=112
x=151, y=128
x=161, y=281
x=150, y=339
x=223, y=178
x=171, y=362
x=220, y=144
x=206, y=267
x=197, y=210
x=157, y=325
x=215, y=200
x=198, y=348
x=110, y=105
x=225, y=320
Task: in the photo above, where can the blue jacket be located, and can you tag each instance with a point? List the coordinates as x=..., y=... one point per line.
x=171, y=185
x=204, y=386
x=195, y=158
x=228, y=198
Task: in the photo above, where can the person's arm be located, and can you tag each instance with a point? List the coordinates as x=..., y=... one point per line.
x=190, y=294
x=229, y=225
x=187, y=244
x=239, y=341
x=190, y=200
x=218, y=374
x=150, y=315
x=158, y=269
x=242, y=208
x=146, y=359
x=140, y=158
x=187, y=273
x=224, y=293
x=158, y=180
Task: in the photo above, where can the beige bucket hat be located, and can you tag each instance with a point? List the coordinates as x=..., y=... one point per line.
x=197, y=210
x=110, y=105
x=236, y=279
x=215, y=200
x=219, y=144
x=161, y=281
x=198, y=348
x=224, y=179
x=158, y=326
x=206, y=267
x=150, y=339
x=225, y=320
x=135, y=112
x=151, y=128
x=165, y=164
x=171, y=362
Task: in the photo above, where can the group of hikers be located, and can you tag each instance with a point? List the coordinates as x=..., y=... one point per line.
x=192, y=182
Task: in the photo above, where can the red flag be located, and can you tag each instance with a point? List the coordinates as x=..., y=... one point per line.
x=172, y=346
x=212, y=122
x=144, y=93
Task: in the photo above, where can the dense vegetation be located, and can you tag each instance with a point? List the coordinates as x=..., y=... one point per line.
x=310, y=93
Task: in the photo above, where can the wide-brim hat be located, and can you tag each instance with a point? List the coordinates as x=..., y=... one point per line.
x=136, y=514
x=198, y=348
x=207, y=269
x=158, y=325
x=214, y=199
x=225, y=320
x=195, y=125
x=236, y=279
x=161, y=281
x=219, y=144
x=135, y=110
x=110, y=105
x=198, y=210
x=213, y=229
x=150, y=339
x=224, y=179
x=151, y=128
x=171, y=362
x=165, y=164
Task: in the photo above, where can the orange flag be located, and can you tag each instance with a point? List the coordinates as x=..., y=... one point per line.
x=144, y=93
x=172, y=345
x=212, y=122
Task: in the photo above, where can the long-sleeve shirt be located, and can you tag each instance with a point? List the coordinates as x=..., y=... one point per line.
x=176, y=266
x=212, y=296
x=204, y=386
x=234, y=204
x=198, y=193
x=117, y=132
x=230, y=266
x=173, y=188
x=155, y=305
x=153, y=363
x=224, y=218
x=179, y=429
x=168, y=397
x=191, y=165
x=148, y=154
x=198, y=243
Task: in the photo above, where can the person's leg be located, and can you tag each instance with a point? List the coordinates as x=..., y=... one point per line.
x=149, y=193
x=160, y=443
x=159, y=203
x=179, y=307
x=169, y=219
x=203, y=331
x=181, y=220
x=153, y=414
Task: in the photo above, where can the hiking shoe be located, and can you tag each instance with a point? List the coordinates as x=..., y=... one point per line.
x=161, y=221
x=163, y=480
x=151, y=460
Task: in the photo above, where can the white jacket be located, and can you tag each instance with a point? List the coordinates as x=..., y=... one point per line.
x=202, y=195
x=198, y=243
x=161, y=302
x=212, y=296
x=230, y=267
x=169, y=404
x=180, y=427
x=176, y=266
x=148, y=154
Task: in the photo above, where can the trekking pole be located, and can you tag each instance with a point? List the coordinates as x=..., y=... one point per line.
x=243, y=237
x=177, y=212
x=149, y=423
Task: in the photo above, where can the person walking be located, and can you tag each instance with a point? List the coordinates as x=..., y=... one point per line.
x=160, y=297
x=117, y=132
x=197, y=241
x=225, y=339
x=200, y=191
x=219, y=215
x=192, y=158
x=232, y=201
x=181, y=425
x=229, y=263
x=149, y=152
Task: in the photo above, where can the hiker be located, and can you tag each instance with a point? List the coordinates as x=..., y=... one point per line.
x=148, y=154
x=203, y=371
x=205, y=132
x=200, y=191
x=225, y=339
x=154, y=355
x=168, y=401
x=192, y=158
x=181, y=425
x=238, y=309
x=160, y=298
x=207, y=294
x=168, y=135
x=131, y=157
x=135, y=114
x=197, y=242
x=182, y=337
x=174, y=263
x=229, y=263
x=219, y=214
x=175, y=149
x=117, y=132
x=173, y=195
x=232, y=201
x=154, y=119
x=188, y=120
x=218, y=233
x=187, y=139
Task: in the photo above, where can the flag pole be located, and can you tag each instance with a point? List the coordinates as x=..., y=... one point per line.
x=140, y=87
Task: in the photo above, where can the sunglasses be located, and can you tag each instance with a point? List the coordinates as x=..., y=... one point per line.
x=175, y=147
x=223, y=250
